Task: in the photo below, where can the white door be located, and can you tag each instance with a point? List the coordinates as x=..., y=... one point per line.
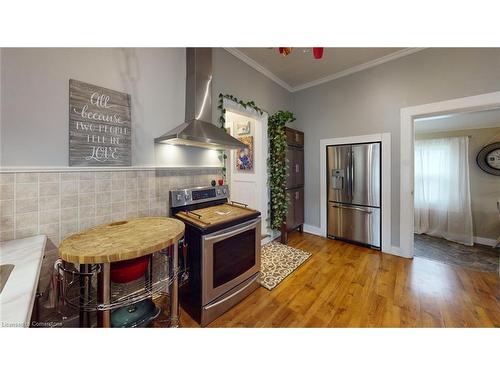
x=246, y=169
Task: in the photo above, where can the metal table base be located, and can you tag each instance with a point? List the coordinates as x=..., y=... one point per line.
x=104, y=294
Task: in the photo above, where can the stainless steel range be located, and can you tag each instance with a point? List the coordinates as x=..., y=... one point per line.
x=223, y=250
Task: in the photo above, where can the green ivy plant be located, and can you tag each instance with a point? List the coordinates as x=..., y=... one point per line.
x=222, y=122
x=277, y=168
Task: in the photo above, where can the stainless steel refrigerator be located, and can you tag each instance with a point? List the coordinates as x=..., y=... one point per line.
x=354, y=187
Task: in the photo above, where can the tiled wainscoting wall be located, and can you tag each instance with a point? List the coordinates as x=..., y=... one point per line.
x=61, y=203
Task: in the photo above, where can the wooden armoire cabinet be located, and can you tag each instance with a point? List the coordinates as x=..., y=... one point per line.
x=294, y=184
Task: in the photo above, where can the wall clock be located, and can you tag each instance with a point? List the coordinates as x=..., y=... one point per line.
x=488, y=159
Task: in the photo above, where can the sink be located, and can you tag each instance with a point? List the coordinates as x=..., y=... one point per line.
x=5, y=271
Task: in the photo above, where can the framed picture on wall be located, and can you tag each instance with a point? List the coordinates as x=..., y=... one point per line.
x=243, y=128
x=244, y=155
x=99, y=126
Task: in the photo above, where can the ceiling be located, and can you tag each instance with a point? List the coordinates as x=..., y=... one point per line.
x=459, y=121
x=300, y=70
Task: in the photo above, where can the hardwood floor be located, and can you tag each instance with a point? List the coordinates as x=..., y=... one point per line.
x=343, y=285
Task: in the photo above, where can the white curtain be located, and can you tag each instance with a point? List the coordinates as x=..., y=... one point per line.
x=442, y=193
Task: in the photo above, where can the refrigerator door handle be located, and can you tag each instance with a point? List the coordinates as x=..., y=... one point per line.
x=365, y=210
x=352, y=175
x=349, y=173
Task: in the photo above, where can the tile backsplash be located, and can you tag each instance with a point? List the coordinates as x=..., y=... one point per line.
x=61, y=203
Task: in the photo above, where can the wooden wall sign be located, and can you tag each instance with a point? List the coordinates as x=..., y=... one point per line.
x=99, y=126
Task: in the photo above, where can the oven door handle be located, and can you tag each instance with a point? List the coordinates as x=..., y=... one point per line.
x=235, y=293
x=232, y=231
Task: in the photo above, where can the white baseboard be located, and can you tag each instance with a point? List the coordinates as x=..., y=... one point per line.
x=394, y=250
x=485, y=241
x=311, y=229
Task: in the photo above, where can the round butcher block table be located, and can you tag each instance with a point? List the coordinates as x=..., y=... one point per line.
x=123, y=240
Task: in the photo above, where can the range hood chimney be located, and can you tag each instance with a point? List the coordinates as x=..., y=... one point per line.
x=198, y=130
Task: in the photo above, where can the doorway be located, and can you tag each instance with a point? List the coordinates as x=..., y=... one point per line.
x=246, y=168
x=456, y=203
x=408, y=116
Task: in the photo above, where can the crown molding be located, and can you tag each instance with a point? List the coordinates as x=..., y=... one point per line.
x=370, y=64
x=358, y=68
x=254, y=64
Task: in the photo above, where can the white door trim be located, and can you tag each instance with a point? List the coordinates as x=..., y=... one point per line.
x=408, y=115
x=385, y=139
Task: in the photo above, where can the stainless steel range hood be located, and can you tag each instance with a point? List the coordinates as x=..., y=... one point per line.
x=198, y=130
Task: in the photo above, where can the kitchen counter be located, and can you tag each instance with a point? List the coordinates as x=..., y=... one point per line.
x=18, y=295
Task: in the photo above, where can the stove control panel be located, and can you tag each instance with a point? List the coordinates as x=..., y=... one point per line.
x=204, y=194
x=184, y=197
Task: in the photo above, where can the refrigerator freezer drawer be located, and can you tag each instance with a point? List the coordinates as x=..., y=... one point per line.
x=354, y=223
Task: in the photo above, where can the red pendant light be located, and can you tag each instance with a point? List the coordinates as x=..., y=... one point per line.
x=318, y=52
x=285, y=51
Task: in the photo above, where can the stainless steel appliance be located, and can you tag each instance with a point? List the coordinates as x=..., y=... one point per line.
x=223, y=250
x=354, y=193
x=198, y=130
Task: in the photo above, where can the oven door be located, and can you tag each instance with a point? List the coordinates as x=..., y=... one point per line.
x=230, y=256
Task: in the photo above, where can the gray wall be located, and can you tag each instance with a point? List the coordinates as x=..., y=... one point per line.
x=370, y=101
x=484, y=187
x=233, y=76
x=34, y=99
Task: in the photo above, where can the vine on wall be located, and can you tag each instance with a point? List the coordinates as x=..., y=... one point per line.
x=222, y=121
x=277, y=166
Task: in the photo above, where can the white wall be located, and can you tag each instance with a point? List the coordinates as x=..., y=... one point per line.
x=370, y=101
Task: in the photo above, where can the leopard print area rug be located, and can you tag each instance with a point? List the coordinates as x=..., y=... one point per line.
x=278, y=261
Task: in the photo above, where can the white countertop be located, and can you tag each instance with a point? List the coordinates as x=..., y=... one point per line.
x=18, y=295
